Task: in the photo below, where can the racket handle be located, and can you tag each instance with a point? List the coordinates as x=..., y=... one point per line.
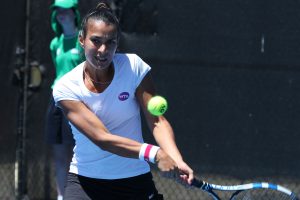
x=197, y=183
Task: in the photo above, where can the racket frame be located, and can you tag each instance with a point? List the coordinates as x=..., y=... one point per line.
x=238, y=188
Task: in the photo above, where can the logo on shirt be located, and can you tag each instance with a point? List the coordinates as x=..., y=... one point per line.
x=123, y=96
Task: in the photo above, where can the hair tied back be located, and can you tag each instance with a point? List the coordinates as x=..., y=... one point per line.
x=102, y=5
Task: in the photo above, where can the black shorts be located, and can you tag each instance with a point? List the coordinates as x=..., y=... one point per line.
x=134, y=188
x=58, y=130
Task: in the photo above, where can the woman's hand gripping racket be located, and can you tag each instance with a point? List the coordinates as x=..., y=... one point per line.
x=250, y=191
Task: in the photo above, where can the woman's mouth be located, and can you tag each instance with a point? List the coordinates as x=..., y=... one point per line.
x=101, y=59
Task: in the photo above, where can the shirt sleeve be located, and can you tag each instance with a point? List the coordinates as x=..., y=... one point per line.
x=141, y=68
x=65, y=89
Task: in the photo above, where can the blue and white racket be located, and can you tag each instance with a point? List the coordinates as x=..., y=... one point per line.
x=250, y=191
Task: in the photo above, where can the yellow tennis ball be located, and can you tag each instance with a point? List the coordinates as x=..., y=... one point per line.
x=157, y=105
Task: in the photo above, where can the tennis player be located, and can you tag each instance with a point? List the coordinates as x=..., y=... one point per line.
x=102, y=98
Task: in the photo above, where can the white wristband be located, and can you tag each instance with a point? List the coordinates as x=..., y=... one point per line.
x=148, y=152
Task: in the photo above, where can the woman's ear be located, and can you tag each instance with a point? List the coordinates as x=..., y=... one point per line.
x=81, y=39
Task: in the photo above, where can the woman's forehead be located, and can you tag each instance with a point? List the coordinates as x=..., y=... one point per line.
x=100, y=26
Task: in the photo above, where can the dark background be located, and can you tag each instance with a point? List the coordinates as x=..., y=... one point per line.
x=234, y=100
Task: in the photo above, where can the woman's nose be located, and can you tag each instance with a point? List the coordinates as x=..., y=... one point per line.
x=102, y=48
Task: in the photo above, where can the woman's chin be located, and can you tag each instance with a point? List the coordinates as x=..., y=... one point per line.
x=100, y=67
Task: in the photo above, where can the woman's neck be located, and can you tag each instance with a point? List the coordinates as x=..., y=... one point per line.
x=99, y=76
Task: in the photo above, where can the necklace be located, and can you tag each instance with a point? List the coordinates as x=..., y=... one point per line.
x=94, y=81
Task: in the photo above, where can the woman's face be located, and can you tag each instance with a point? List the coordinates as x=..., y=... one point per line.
x=100, y=43
x=65, y=16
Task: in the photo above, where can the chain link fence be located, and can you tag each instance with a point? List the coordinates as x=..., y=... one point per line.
x=7, y=181
x=174, y=191
x=41, y=184
x=220, y=92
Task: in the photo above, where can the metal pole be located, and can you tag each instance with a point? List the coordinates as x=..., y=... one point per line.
x=20, y=164
x=25, y=97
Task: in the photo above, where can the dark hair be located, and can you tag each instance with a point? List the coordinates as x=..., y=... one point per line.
x=101, y=12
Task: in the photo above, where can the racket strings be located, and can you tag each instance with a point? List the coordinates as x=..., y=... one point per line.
x=260, y=194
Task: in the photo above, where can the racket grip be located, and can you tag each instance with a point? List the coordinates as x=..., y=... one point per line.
x=197, y=183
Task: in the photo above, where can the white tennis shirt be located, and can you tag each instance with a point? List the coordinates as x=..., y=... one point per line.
x=117, y=108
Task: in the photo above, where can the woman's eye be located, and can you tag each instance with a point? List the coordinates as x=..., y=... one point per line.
x=112, y=41
x=96, y=42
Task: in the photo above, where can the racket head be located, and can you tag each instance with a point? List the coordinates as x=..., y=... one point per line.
x=250, y=191
x=265, y=194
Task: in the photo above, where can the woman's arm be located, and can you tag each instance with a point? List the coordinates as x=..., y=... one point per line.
x=91, y=126
x=162, y=130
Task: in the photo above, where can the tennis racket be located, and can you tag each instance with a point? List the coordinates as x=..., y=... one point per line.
x=250, y=191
